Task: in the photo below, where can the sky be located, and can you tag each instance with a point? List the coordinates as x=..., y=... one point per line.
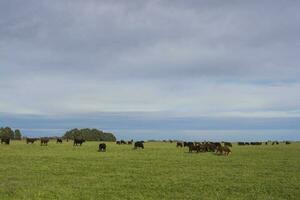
x=198, y=69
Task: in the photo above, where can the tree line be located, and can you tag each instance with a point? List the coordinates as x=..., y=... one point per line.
x=7, y=132
x=86, y=134
x=89, y=135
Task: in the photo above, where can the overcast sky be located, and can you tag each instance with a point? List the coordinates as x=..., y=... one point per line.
x=148, y=62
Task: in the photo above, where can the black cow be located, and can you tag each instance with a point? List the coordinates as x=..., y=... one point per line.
x=187, y=144
x=228, y=144
x=30, y=140
x=211, y=147
x=179, y=144
x=102, y=147
x=78, y=141
x=218, y=144
x=44, y=141
x=5, y=140
x=118, y=142
x=287, y=142
x=58, y=140
x=139, y=144
x=129, y=142
x=123, y=142
x=256, y=143
x=193, y=147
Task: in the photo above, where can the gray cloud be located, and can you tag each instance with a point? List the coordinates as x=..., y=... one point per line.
x=196, y=57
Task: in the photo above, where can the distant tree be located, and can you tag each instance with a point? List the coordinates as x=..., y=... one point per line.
x=89, y=134
x=18, y=134
x=7, y=132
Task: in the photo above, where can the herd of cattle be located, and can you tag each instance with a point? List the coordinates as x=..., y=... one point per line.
x=221, y=148
x=216, y=147
x=77, y=141
x=260, y=143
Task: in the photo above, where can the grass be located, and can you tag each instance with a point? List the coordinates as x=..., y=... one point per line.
x=160, y=171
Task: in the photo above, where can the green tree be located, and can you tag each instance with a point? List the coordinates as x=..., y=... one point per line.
x=89, y=134
x=7, y=132
x=18, y=134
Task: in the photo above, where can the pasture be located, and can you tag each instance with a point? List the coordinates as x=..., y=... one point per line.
x=160, y=171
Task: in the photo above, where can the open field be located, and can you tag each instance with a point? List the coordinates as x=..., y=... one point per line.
x=160, y=171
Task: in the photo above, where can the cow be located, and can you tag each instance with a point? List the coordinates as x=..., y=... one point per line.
x=58, y=140
x=228, y=144
x=5, y=140
x=266, y=143
x=241, y=143
x=139, y=144
x=118, y=142
x=44, y=141
x=179, y=144
x=256, y=143
x=211, y=147
x=193, y=147
x=275, y=142
x=102, y=147
x=287, y=142
x=187, y=144
x=123, y=142
x=223, y=150
x=218, y=144
x=129, y=142
x=78, y=141
x=30, y=140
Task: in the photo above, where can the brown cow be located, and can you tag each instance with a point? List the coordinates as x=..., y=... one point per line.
x=44, y=141
x=223, y=150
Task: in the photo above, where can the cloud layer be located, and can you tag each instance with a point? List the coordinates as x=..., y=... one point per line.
x=191, y=59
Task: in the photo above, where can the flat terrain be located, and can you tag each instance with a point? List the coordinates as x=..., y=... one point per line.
x=160, y=171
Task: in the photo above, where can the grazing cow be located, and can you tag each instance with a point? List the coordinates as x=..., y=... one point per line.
x=102, y=147
x=78, y=141
x=58, y=140
x=123, y=142
x=228, y=144
x=5, y=140
x=211, y=147
x=44, y=141
x=247, y=143
x=241, y=143
x=129, y=142
x=193, y=147
x=30, y=140
x=218, y=144
x=256, y=143
x=171, y=141
x=275, y=142
x=223, y=150
x=287, y=142
x=266, y=143
x=139, y=144
x=187, y=144
x=179, y=144
x=118, y=142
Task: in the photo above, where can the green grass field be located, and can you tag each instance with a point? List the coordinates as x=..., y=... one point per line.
x=160, y=171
